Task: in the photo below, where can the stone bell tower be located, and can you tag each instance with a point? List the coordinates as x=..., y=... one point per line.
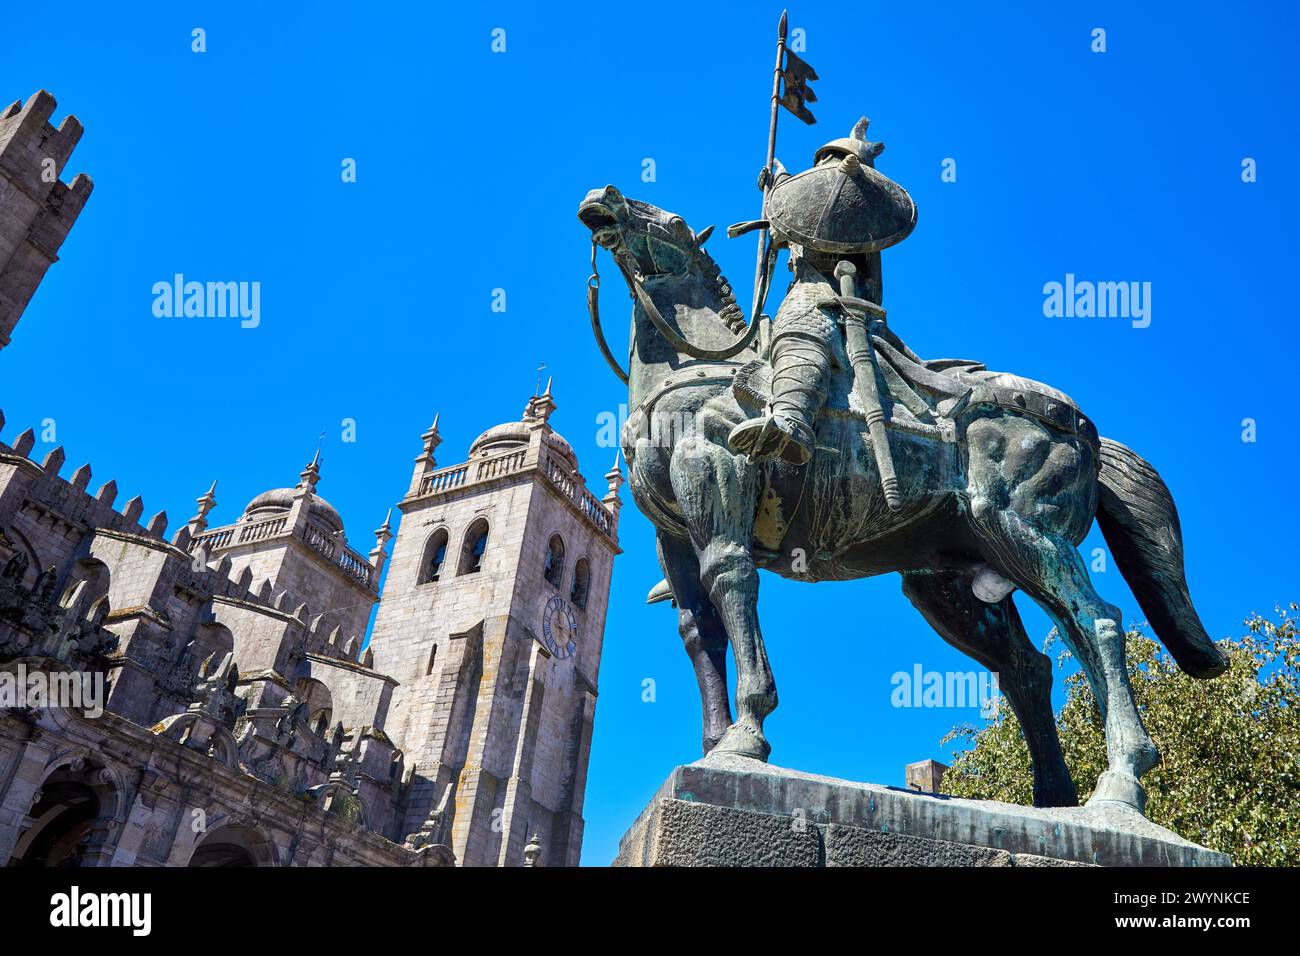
x=492, y=620
x=38, y=209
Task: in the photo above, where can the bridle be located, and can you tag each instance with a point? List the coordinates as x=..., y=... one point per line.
x=636, y=283
x=593, y=309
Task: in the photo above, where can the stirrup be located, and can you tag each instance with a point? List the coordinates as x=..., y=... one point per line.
x=764, y=438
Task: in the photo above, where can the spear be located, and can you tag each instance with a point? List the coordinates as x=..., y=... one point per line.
x=796, y=73
x=760, y=267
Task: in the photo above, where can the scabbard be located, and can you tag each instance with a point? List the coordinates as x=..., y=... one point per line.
x=858, y=345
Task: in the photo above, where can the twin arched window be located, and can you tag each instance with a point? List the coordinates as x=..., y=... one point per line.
x=555, y=560
x=581, y=586
x=475, y=546
x=434, y=563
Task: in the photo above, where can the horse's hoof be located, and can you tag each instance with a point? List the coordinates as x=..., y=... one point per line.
x=1056, y=797
x=1055, y=789
x=743, y=742
x=1119, y=787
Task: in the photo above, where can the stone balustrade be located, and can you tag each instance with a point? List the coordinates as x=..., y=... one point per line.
x=262, y=529
x=318, y=537
x=557, y=473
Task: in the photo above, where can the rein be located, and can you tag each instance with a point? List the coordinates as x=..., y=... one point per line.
x=593, y=308
x=671, y=335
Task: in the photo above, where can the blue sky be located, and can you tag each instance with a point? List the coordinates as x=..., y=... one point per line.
x=376, y=295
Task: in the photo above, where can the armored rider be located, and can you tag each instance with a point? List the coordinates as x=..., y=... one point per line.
x=840, y=209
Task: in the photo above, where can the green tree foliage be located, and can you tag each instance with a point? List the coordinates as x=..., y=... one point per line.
x=1229, y=776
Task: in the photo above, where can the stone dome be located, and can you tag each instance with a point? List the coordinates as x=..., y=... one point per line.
x=278, y=501
x=500, y=439
x=513, y=436
x=561, y=445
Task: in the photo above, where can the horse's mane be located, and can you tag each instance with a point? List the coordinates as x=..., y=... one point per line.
x=730, y=313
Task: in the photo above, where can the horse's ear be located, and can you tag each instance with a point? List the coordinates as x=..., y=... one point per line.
x=702, y=236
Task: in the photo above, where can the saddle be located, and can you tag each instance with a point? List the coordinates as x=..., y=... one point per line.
x=928, y=397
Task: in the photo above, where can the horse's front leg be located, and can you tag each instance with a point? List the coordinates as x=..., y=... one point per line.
x=716, y=492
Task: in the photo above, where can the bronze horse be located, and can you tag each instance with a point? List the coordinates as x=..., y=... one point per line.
x=999, y=479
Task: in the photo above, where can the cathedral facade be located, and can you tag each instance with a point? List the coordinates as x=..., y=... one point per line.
x=205, y=696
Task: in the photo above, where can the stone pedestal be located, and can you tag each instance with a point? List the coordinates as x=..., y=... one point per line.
x=734, y=811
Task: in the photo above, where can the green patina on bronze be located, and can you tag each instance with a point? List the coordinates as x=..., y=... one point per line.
x=828, y=450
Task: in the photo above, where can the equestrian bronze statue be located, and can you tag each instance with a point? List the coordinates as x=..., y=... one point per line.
x=820, y=447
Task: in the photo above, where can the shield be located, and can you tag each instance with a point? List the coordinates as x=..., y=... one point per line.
x=845, y=207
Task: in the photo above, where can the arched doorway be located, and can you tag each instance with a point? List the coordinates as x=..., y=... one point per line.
x=232, y=845
x=63, y=823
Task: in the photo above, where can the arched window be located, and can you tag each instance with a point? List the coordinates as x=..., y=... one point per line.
x=319, y=701
x=435, y=556
x=581, y=583
x=555, y=560
x=210, y=640
x=87, y=582
x=476, y=538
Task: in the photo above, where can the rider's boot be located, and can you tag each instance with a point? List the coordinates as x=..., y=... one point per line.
x=800, y=370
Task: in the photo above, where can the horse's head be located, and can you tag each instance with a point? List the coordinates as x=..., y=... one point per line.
x=651, y=244
x=643, y=238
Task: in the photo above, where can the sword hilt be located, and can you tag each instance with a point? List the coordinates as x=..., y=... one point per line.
x=847, y=273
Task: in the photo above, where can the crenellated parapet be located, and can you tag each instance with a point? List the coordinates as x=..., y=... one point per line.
x=37, y=209
x=64, y=508
x=167, y=603
x=214, y=658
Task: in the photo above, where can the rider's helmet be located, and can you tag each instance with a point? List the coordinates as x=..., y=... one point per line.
x=842, y=205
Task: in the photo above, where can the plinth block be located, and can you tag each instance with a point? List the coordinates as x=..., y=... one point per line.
x=734, y=811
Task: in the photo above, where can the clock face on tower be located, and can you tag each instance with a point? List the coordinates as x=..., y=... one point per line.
x=559, y=627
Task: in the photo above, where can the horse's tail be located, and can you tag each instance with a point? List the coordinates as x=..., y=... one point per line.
x=1140, y=523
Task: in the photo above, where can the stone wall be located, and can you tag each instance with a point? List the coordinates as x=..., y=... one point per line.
x=160, y=800
x=171, y=620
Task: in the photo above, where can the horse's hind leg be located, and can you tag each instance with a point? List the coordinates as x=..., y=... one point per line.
x=716, y=493
x=1050, y=570
x=702, y=633
x=993, y=635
